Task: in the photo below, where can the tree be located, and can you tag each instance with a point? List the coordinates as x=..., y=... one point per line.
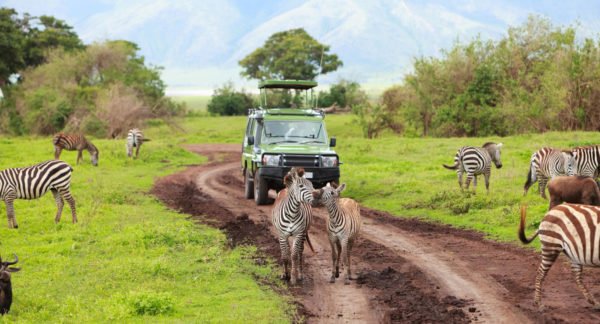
x=344, y=94
x=228, y=102
x=291, y=54
x=11, y=44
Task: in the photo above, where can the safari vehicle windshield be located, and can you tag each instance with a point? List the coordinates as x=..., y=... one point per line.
x=291, y=131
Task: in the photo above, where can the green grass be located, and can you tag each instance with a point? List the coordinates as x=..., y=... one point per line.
x=195, y=104
x=129, y=258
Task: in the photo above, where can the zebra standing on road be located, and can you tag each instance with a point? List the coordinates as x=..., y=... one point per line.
x=571, y=229
x=292, y=215
x=135, y=138
x=475, y=161
x=587, y=160
x=547, y=163
x=343, y=226
x=33, y=182
x=72, y=142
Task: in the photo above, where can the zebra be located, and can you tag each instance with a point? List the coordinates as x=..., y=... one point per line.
x=343, y=226
x=475, y=161
x=571, y=229
x=33, y=182
x=72, y=142
x=587, y=160
x=291, y=217
x=135, y=138
x=547, y=163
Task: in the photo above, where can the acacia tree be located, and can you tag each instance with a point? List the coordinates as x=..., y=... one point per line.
x=290, y=54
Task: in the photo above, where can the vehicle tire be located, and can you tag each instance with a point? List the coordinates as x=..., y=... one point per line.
x=248, y=185
x=261, y=190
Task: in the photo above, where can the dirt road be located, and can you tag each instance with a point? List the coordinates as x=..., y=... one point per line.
x=408, y=270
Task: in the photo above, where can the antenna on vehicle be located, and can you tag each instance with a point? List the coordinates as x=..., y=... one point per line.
x=320, y=72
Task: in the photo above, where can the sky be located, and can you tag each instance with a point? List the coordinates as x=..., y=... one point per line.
x=199, y=43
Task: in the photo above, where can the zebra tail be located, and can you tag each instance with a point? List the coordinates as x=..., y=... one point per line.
x=522, y=236
x=529, y=181
x=309, y=244
x=146, y=140
x=451, y=167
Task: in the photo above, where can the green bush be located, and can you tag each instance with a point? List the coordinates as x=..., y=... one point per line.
x=151, y=303
x=226, y=101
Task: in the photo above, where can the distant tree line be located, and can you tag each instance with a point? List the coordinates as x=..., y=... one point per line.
x=537, y=78
x=51, y=81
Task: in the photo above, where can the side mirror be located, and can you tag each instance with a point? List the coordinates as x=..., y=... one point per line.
x=332, y=142
x=250, y=140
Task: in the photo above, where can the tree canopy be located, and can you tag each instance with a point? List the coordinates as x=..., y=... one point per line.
x=291, y=54
x=26, y=41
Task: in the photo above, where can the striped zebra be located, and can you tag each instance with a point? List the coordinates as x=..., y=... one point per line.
x=291, y=217
x=343, y=226
x=475, y=161
x=587, y=160
x=572, y=229
x=33, y=182
x=547, y=163
x=74, y=142
x=135, y=138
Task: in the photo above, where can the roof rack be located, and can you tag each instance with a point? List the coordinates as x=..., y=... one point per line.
x=287, y=84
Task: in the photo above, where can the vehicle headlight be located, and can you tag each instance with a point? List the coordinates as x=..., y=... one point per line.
x=329, y=161
x=271, y=160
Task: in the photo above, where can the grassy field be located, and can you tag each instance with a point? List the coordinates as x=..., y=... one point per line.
x=129, y=258
x=405, y=177
x=195, y=104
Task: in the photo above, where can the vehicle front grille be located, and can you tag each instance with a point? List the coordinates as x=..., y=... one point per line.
x=300, y=160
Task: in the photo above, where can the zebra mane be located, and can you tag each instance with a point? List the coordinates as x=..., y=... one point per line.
x=488, y=143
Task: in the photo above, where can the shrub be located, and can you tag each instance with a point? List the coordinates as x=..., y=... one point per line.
x=151, y=303
x=226, y=101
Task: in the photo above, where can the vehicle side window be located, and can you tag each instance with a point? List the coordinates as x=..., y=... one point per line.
x=249, y=127
x=252, y=128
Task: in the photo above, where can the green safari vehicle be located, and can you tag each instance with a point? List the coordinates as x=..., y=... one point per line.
x=279, y=138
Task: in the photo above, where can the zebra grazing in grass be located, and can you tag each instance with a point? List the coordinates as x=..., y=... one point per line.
x=292, y=215
x=135, y=138
x=475, y=161
x=33, y=182
x=587, y=161
x=571, y=229
x=72, y=142
x=343, y=226
x=546, y=164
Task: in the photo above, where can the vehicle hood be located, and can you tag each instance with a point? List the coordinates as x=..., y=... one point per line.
x=298, y=149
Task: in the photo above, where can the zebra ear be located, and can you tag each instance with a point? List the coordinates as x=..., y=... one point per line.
x=334, y=185
x=300, y=172
x=341, y=188
x=288, y=180
x=499, y=145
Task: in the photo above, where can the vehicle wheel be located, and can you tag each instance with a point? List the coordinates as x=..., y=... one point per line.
x=261, y=190
x=248, y=185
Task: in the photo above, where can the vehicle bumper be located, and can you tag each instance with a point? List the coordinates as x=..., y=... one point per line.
x=320, y=176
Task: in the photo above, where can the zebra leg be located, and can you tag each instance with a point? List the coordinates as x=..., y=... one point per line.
x=301, y=260
x=296, y=251
x=10, y=213
x=346, y=256
x=66, y=194
x=542, y=183
x=460, y=178
x=137, y=150
x=59, y=203
x=474, y=182
x=333, y=258
x=79, y=156
x=469, y=179
x=548, y=258
x=57, y=150
x=576, y=269
x=284, y=246
x=338, y=245
x=487, y=182
x=129, y=150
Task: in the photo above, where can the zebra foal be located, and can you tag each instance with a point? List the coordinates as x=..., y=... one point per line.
x=343, y=226
x=74, y=142
x=572, y=229
x=33, y=182
x=291, y=217
x=475, y=161
x=547, y=163
x=135, y=138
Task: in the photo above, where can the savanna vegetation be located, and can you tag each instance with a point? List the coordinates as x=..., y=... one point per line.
x=539, y=77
